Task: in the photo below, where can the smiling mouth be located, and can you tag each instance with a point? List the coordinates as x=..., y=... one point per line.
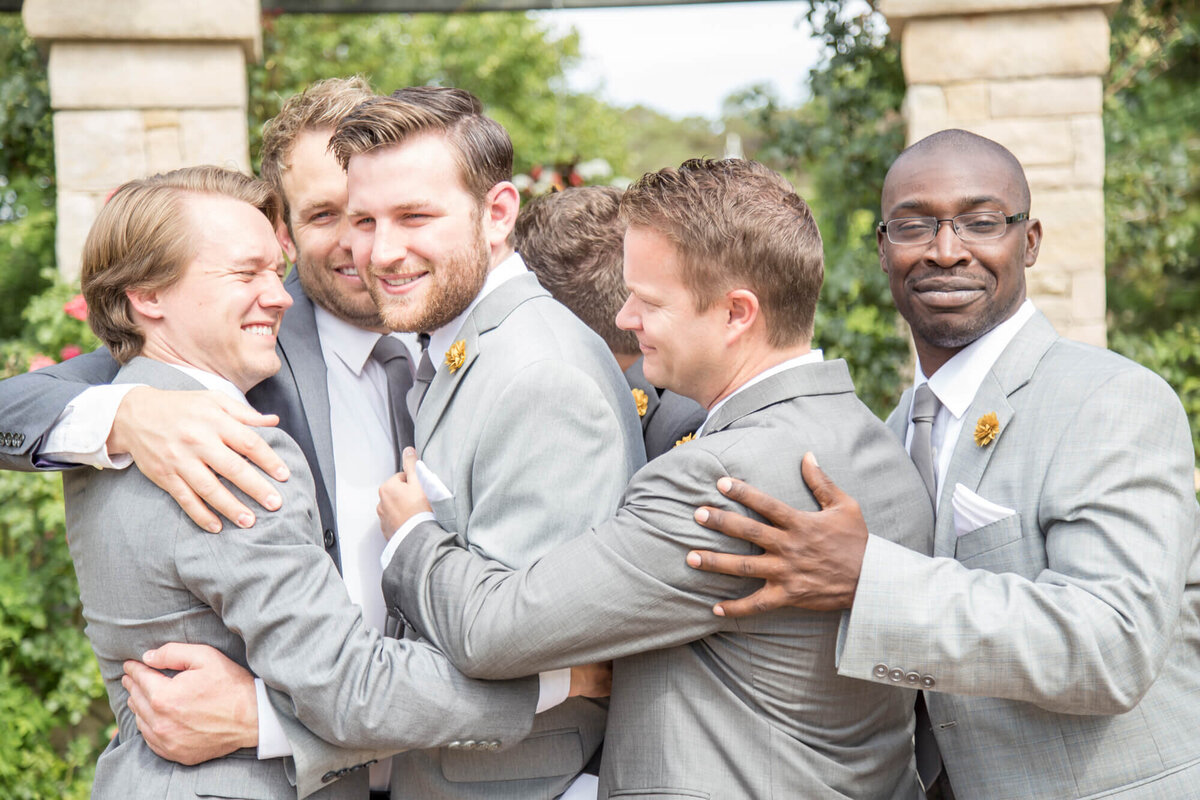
x=347, y=272
x=949, y=292
x=400, y=283
x=259, y=330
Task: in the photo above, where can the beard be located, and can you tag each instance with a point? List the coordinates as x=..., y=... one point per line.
x=323, y=287
x=455, y=281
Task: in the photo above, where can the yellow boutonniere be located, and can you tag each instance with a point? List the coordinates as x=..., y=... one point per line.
x=986, y=429
x=456, y=355
x=642, y=401
x=685, y=439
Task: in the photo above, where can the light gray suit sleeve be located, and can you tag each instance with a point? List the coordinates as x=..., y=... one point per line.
x=30, y=404
x=1090, y=632
x=620, y=588
x=275, y=588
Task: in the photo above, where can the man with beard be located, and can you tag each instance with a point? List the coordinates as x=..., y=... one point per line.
x=1056, y=629
x=331, y=395
x=520, y=411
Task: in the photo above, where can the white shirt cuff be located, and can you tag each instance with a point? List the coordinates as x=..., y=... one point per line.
x=404, y=530
x=272, y=741
x=553, y=688
x=80, y=433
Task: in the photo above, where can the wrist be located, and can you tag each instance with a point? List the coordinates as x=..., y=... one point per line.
x=117, y=442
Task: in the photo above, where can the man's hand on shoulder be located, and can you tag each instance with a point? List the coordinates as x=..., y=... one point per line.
x=180, y=439
x=811, y=559
x=207, y=710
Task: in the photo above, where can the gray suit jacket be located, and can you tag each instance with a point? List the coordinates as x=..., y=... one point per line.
x=536, y=436
x=669, y=416
x=1063, y=643
x=702, y=706
x=148, y=576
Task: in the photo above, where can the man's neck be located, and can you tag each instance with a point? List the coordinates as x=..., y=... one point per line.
x=750, y=366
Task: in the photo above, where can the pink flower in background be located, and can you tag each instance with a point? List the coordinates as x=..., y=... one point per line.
x=70, y=351
x=39, y=361
x=76, y=307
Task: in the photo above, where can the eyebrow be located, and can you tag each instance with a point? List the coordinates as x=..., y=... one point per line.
x=968, y=202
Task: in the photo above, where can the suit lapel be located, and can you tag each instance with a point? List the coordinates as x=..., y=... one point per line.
x=302, y=356
x=969, y=463
x=488, y=314
x=825, y=377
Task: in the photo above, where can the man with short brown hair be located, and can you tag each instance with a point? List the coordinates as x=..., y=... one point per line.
x=701, y=706
x=572, y=241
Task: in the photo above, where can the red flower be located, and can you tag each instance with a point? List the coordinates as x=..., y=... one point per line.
x=39, y=361
x=70, y=351
x=575, y=179
x=76, y=307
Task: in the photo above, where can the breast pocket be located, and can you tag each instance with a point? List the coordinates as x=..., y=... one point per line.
x=446, y=513
x=972, y=547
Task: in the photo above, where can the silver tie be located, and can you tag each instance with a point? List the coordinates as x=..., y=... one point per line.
x=924, y=408
x=392, y=355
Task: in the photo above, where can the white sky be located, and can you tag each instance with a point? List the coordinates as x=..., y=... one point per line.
x=683, y=60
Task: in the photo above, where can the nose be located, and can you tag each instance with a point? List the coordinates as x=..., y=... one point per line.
x=388, y=246
x=627, y=319
x=275, y=296
x=947, y=249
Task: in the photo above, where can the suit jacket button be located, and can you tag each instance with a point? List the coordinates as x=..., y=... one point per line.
x=329, y=776
x=456, y=745
x=896, y=675
x=493, y=745
x=469, y=744
x=880, y=671
x=927, y=681
x=912, y=678
x=329, y=538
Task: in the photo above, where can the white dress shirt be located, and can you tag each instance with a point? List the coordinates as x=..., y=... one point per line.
x=956, y=384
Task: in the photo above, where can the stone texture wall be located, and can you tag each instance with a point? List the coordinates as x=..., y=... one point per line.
x=1027, y=73
x=139, y=87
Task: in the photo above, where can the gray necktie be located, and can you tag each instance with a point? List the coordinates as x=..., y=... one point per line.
x=924, y=408
x=425, y=373
x=392, y=355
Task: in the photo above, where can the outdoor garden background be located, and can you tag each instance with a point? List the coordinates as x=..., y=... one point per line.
x=836, y=146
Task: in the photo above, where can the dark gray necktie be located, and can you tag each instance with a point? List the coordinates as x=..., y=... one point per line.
x=425, y=373
x=924, y=408
x=392, y=355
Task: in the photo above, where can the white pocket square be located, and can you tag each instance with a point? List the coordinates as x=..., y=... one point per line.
x=972, y=512
x=431, y=484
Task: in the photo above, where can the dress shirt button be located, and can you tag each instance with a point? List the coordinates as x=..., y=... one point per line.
x=927, y=681
x=896, y=675
x=880, y=671
x=329, y=538
x=912, y=678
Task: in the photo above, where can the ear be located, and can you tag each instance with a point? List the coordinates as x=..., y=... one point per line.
x=1033, y=241
x=145, y=303
x=284, y=236
x=500, y=208
x=880, y=241
x=743, y=309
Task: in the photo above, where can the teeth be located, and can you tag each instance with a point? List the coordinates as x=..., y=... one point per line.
x=259, y=330
x=399, y=281
x=349, y=272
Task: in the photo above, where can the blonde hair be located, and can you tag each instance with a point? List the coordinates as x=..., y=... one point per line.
x=141, y=240
x=737, y=224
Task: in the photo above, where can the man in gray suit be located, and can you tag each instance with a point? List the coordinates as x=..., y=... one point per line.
x=1056, y=629
x=723, y=263
x=182, y=275
x=525, y=420
x=572, y=241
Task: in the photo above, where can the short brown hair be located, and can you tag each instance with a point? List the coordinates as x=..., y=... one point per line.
x=319, y=107
x=736, y=223
x=573, y=241
x=141, y=240
x=483, y=151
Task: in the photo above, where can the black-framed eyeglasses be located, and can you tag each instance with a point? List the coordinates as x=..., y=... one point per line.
x=978, y=226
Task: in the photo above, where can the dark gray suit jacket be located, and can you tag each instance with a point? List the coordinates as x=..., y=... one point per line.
x=669, y=416
x=148, y=576
x=702, y=706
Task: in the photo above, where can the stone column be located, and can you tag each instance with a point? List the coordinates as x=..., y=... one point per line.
x=1028, y=74
x=139, y=87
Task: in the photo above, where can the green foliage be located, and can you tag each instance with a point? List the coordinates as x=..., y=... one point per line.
x=1152, y=192
x=510, y=61
x=26, y=174
x=841, y=142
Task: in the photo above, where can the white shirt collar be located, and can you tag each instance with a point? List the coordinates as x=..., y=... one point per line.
x=959, y=379
x=811, y=357
x=210, y=381
x=441, y=339
x=351, y=344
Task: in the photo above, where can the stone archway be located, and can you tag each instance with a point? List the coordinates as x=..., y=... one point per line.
x=141, y=86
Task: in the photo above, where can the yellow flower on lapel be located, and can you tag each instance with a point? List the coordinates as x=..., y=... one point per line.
x=456, y=355
x=986, y=429
x=685, y=439
x=642, y=401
